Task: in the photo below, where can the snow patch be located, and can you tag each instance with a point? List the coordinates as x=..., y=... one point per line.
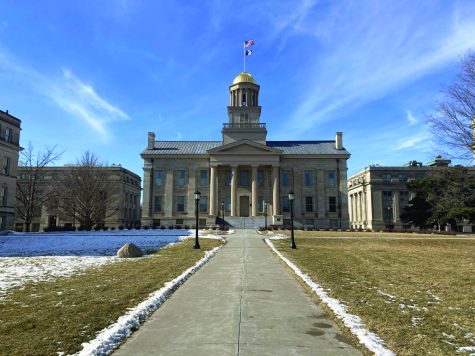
x=415, y=321
x=108, y=339
x=370, y=340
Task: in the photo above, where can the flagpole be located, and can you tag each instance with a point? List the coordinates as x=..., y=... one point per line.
x=244, y=54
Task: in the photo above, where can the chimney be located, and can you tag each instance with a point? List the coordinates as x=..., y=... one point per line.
x=339, y=141
x=151, y=140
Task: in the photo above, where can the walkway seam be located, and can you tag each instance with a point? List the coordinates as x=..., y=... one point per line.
x=240, y=303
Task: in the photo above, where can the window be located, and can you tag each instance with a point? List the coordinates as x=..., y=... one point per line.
x=6, y=165
x=308, y=204
x=387, y=198
x=228, y=178
x=158, y=178
x=157, y=206
x=309, y=222
x=244, y=99
x=244, y=178
x=181, y=178
x=285, y=178
x=8, y=135
x=285, y=203
x=403, y=178
x=332, y=179
x=179, y=221
x=203, y=178
x=3, y=220
x=260, y=178
x=332, y=204
x=308, y=181
x=227, y=202
x=203, y=204
x=386, y=178
x=403, y=199
x=23, y=176
x=260, y=203
x=3, y=196
x=180, y=204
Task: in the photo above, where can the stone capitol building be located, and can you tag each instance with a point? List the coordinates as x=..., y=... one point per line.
x=244, y=176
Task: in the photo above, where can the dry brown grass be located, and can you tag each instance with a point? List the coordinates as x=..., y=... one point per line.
x=416, y=294
x=57, y=316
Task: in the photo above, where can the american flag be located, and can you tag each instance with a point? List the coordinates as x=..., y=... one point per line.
x=248, y=43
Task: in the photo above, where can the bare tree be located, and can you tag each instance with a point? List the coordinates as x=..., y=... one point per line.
x=87, y=194
x=29, y=193
x=454, y=120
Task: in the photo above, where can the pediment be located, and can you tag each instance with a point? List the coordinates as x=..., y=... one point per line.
x=245, y=147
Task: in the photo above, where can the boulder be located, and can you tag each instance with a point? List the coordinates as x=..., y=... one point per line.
x=129, y=250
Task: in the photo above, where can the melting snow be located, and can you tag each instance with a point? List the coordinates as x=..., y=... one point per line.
x=353, y=322
x=35, y=257
x=108, y=339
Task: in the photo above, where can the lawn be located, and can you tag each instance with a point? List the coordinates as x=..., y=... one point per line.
x=57, y=316
x=417, y=294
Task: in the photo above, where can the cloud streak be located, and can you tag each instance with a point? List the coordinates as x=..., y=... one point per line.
x=69, y=93
x=371, y=49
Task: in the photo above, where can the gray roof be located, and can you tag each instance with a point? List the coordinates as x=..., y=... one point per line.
x=306, y=147
x=201, y=147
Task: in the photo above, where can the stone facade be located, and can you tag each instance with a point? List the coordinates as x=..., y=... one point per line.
x=244, y=173
x=126, y=187
x=9, y=153
x=377, y=194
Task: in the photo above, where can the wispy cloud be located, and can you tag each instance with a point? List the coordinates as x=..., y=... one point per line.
x=419, y=140
x=371, y=49
x=411, y=119
x=69, y=93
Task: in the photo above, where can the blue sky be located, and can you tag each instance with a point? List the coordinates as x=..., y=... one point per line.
x=98, y=75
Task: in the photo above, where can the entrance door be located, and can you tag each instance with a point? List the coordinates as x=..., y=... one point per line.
x=243, y=205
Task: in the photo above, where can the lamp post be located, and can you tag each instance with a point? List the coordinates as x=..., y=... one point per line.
x=197, y=200
x=388, y=208
x=291, y=200
x=265, y=215
x=222, y=208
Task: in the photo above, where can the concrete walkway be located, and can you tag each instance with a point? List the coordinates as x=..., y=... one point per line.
x=243, y=302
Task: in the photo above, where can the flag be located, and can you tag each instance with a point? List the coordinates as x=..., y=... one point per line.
x=248, y=52
x=248, y=43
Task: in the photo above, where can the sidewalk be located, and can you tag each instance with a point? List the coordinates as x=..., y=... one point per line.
x=243, y=302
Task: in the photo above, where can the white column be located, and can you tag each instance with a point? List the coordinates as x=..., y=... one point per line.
x=254, y=191
x=275, y=190
x=350, y=208
x=396, y=207
x=233, y=190
x=365, y=207
x=212, y=192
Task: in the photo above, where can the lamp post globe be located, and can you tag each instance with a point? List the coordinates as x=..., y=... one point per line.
x=291, y=200
x=197, y=200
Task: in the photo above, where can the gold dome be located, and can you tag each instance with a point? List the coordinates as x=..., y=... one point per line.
x=244, y=77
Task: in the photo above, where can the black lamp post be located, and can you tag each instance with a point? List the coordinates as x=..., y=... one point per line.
x=291, y=200
x=265, y=215
x=222, y=208
x=388, y=208
x=197, y=201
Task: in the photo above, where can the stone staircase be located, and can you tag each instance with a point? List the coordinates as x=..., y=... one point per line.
x=252, y=222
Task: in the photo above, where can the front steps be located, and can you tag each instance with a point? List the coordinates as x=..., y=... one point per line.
x=251, y=222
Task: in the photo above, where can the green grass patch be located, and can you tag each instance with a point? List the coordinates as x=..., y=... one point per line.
x=416, y=294
x=58, y=316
